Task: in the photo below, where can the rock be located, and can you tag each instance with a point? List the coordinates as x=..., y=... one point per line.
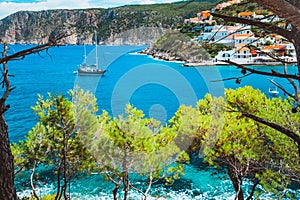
x=117, y=26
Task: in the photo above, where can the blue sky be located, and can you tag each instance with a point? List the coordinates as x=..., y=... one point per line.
x=8, y=7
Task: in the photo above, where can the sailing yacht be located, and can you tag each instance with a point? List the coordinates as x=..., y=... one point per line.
x=86, y=69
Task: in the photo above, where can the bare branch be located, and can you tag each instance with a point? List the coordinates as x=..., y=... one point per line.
x=5, y=83
x=212, y=37
x=281, y=87
x=272, y=73
x=239, y=29
x=285, y=33
x=285, y=131
x=296, y=96
x=54, y=41
x=284, y=9
x=232, y=78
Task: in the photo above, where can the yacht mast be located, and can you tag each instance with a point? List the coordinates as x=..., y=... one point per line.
x=96, y=49
x=84, y=53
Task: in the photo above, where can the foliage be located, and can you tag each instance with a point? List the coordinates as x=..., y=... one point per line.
x=131, y=144
x=235, y=9
x=191, y=29
x=213, y=49
x=268, y=42
x=246, y=148
x=252, y=6
x=69, y=137
x=54, y=142
x=176, y=9
x=283, y=155
x=46, y=197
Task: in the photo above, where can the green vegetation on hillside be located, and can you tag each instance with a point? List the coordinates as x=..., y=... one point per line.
x=184, y=9
x=213, y=49
x=180, y=46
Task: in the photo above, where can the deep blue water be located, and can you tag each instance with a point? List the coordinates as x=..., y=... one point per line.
x=157, y=87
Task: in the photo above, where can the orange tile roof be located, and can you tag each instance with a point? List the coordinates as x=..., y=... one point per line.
x=205, y=14
x=242, y=48
x=245, y=35
x=244, y=14
x=271, y=47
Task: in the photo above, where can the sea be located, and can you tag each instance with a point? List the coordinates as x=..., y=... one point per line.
x=157, y=87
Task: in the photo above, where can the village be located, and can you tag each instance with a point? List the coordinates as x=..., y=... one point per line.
x=246, y=47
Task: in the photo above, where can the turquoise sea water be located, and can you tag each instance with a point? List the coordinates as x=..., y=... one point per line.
x=157, y=87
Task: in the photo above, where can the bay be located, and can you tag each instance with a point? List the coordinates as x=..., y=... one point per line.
x=157, y=87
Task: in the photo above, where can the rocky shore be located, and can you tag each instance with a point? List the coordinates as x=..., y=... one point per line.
x=175, y=46
x=173, y=57
x=163, y=55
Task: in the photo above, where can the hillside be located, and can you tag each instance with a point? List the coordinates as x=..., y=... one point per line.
x=177, y=46
x=139, y=24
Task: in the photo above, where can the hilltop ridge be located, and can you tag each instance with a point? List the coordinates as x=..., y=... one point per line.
x=138, y=24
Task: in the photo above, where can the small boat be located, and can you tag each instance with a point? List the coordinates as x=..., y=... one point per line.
x=90, y=70
x=273, y=91
x=86, y=69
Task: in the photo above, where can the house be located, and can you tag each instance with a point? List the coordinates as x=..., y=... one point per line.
x=219, y=33
x=245, y=39
x=208, y=28
x=239, y=56
x=204, y=15
x=239, y=29
x=290, y=49
x=274, y=50
x=195, y=20
x=242, y=51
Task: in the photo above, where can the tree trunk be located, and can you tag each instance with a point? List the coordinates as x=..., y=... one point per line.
x=7, y=188
x=126, y=185
x=58, y=193
x=31, y=181
x=297, y=48
x=115, y=191
x=253, y=190
x=236, y=184
x=65, y=166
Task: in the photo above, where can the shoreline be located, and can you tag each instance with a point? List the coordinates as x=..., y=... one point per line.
x=226, y=64
x=186, y=63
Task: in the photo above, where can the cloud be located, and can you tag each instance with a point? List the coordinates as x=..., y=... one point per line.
x=9, y=7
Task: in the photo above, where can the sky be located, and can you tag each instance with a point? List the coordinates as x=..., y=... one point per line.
x=8, y=7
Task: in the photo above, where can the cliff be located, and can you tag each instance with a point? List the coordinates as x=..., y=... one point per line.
x=121, y=25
